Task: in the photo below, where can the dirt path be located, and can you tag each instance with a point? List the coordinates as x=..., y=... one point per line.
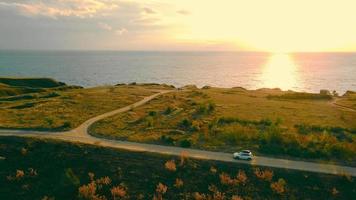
x=335, y=104
x=81, y=135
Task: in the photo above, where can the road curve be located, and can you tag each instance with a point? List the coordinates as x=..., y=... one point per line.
x=81, y=135
x=342, y=107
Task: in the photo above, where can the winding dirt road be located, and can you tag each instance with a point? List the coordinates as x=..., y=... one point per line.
x=81, y=135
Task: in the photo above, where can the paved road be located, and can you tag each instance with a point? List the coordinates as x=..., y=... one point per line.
x=81, y=135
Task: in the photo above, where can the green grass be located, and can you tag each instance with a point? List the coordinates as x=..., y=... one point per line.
x=58, y=169
x=241, y=119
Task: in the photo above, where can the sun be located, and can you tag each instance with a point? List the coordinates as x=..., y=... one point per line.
x=280, y=72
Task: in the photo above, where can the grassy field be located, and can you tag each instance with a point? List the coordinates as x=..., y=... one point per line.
x=13, y=86
x=349, y=100
x=62, y=107
x=270, y=122
x=45, y=169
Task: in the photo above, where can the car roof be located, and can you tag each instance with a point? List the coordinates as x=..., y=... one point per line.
x=246, y=151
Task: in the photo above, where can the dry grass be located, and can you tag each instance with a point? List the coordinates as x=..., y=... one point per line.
x=69, y=108
x=191, y=118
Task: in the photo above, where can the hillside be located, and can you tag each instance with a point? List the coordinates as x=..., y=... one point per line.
x=46, y=169
x=31, y=82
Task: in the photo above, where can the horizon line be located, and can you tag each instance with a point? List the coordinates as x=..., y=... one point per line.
x=164, y=50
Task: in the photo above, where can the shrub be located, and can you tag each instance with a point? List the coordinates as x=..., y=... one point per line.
x=218, y=195
x=23, y=151
x=168, y=110
x=87, y=191
x=149, y=121
x=225, y=179
x=118, y=191
x=301, y=96
x=49, y=121
x=103, y=181
x=198, y=196
x=185, y=143
x=185, y=124
x=279, y=186
x=264, y=175
x=236, y=197
x=51, y=95
x=334, y=191
x=178, y=183
x=161, y=189
x=213, y=170
x=152, y=113
x=23, y=106
x=47, y=198
x=211, y=107
x=205, y=108
x=241, y=177
x=167, y=139
x=66, y=125
x=230, y=120
x=32, y=172
x=19, y=174
x=170, y=165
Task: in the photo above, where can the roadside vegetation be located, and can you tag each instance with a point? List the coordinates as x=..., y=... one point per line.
x=47, y=169
x=267, y=121
x=54, y=106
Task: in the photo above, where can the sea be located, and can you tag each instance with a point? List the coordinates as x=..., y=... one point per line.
x=309, y=72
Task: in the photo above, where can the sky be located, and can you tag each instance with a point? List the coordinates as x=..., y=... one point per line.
x=182, y=25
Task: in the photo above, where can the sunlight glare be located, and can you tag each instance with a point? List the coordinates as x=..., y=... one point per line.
x=280, y=72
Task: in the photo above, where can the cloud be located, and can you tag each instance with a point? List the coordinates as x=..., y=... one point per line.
x=61, y=8
x=121, y=31
x=149, y=10
x=104, y=26
x=183, y=12
x=109, y=28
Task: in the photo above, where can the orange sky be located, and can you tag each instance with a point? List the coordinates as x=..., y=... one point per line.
x=263, y=25
x=273, y=25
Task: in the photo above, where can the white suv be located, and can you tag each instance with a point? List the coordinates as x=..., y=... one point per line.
x=243, y=155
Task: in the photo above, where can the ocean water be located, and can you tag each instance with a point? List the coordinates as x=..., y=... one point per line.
x=299, y=71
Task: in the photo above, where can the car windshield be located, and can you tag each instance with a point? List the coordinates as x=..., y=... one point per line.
x=246, y=151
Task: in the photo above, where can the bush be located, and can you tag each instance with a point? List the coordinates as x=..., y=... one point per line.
x=205, y=108
x=152, y=113
x=168, y=110
x=51, y=95
x=23, y=106
x=185, y=143
x=167, y=139
x=149, y=121
x=301, y=96
x=185, y=124
x=264, y=123
x=66, y=125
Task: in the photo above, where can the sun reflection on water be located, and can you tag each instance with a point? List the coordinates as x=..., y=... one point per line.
x=280, y=72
